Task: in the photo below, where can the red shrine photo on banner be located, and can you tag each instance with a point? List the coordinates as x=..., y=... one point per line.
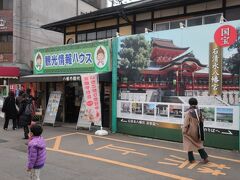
x=225, y=36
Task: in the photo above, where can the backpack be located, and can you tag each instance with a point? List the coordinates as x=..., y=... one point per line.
x=29, y=109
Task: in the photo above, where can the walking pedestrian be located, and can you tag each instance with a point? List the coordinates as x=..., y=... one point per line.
x=193, y=132
x=10, y=110
x=18, y=102
x=36, y=152
x=24, y=118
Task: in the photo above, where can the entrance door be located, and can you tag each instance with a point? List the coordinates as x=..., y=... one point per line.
x=105, y=104
x=73, y=98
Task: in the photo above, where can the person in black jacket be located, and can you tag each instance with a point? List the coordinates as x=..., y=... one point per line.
x=24, y=119
x=10, y=110
x=18, y=102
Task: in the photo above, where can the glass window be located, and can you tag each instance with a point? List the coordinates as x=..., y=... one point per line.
x=6, y=4
x=140, y=27
x=176, y=24
x=194, y=21
x=10, y=38
x=81, y=37
x=101, y=35
x=3, y=38
x=233, y=14
x=91, y=36
x=114, y=31
x=111, y=33
x=161, y=26
x=212, y=19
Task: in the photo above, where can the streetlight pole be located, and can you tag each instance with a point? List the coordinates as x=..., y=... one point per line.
x=239, y=108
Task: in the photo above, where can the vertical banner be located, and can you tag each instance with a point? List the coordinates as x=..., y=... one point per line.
x=52, y=107
x=91, y=102
x=215, y=69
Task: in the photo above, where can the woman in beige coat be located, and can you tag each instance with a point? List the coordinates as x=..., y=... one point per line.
x=193, y=132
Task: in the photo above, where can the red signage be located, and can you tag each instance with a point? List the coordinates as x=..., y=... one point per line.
x=225, y=36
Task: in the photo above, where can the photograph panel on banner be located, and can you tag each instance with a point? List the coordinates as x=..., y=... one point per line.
x=52, y=107
x=166, y=68
x=90, y=111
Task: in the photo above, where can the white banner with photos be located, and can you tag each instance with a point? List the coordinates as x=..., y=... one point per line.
x=222, y=117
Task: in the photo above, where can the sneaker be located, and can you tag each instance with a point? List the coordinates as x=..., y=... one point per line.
x=193, y=161
x=5, y=129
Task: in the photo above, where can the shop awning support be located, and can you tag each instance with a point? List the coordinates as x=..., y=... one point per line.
x=114, y=85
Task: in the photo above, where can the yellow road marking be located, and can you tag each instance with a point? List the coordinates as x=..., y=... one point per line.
x=140, y=168
x=160, y=147
x=48, y=139
x=173, y=160
x=121, y=149
x=193, y=165
x=102, y=147
x=127, y=152
x=57, y=142
x=166, y=163
x=214, y=172
x=177, y=157
x=219, y=166
x=90, y=139
x=183, y=164
x=148, y=145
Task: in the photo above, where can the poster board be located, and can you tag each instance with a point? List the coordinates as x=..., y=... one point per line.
x=82, y=120
x=1, y=105
x=52, y=107
x=166, y=68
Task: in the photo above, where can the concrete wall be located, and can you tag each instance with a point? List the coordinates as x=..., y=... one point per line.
x=29, y=15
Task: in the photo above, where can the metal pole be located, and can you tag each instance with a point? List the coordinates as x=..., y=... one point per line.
x=114, y=84
x=239, y=108
x=76, y=7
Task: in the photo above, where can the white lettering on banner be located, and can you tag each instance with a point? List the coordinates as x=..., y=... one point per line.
x=225, y=35
x=215, y=66
x=92, y=97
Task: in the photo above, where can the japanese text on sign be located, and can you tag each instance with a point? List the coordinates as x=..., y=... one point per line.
x=67, y=59
x=92, y=97
x=215, y=70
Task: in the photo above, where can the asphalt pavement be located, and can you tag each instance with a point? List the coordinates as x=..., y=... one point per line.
x=81, y=155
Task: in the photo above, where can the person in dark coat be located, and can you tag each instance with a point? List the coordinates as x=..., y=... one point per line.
x=24, y=119
x=18, y=102
x=29, y=96
x=10, y=110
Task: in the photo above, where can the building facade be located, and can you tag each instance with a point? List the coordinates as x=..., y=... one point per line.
x=20, y=31
x=171, y=70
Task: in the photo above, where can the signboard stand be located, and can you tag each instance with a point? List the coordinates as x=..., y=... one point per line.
x=101, y=132
x=82, y=122
x=52, y=108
